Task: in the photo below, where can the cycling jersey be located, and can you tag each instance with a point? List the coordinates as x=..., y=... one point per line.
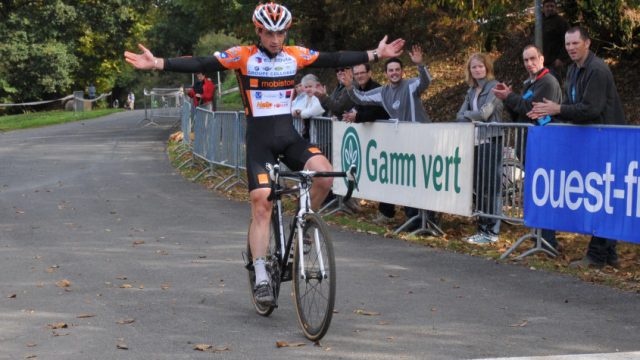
x=266, y=84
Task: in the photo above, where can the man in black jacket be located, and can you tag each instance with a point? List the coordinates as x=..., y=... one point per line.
x=339, y=101
x=540, y=85
x=590, y=98
x=364, y=113
x=370, y=113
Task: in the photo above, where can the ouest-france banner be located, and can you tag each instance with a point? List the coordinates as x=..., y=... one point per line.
x=584, y=179
x=426, y=166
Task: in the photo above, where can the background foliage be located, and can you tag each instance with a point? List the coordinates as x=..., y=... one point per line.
x=52, y=47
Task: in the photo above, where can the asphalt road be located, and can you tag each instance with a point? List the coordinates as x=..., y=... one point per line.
x=99, y=233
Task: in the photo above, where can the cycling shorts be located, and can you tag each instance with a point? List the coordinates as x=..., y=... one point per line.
x=266, y=141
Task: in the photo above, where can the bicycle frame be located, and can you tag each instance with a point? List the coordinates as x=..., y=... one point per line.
x=304, y=179
x=304, y=207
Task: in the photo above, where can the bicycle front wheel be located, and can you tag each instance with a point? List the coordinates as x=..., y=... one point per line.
x=314, y=285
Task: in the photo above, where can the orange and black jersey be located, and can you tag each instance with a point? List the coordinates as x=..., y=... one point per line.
x=266, y=82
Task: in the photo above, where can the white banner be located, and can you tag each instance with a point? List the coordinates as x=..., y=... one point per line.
x=426, y=166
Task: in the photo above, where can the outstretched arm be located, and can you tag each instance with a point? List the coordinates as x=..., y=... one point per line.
x=350, y=58
x=147, y=61
x=144, y=61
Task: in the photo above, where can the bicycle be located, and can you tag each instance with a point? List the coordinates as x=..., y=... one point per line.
x=309, y=260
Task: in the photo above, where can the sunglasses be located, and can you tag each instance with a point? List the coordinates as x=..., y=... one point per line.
x=342, y=69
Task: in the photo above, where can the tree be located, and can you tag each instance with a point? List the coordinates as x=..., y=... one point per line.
x=52, y=47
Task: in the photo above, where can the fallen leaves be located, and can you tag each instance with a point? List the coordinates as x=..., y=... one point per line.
x=138, y=242
x=59, y=325
x=522, y=323
x=125, y=321
x=281, y=344
x=365, y=312
x=211, y=348
x=12, y=296
x=64, y=283
x=85, y=316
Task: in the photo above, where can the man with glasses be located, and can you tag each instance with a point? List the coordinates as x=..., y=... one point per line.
x=365, y=113
x=266, y=76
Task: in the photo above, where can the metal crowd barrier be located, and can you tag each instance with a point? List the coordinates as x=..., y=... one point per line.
x=219, y=141
x=498, y=163
x=162, y=103
x=499, y=180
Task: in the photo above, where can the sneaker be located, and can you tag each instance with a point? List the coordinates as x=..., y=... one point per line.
x=382, y=219
x=263, y=294
x=586, y=263
x=482, y=238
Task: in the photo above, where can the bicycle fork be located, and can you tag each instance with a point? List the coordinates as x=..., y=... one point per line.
x=316, y=239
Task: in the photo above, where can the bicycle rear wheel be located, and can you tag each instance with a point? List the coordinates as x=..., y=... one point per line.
x=314, y=295
x=272, y=269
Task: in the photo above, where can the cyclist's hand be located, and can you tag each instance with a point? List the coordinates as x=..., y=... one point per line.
x=389, y=50
x=144, y=61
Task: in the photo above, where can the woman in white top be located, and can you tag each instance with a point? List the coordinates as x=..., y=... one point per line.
x=306, y=105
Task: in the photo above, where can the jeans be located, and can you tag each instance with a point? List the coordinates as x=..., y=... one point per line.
x=488, y=175
x=602, y=250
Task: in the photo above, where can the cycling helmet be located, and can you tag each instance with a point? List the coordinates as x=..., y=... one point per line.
x=272, y=17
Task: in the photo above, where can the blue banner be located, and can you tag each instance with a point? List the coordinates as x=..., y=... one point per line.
x=584, y=179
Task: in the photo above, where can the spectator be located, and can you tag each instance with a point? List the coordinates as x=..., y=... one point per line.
x=364, y=113
x=92, y=91
x=553, y=28
x=481, y=105
x=369, y=113
x=541, y=84
x=339, y=102
x=131, y=100
x=202, y=92
x=335, y=105
x=401, y=100
x=590, y=97
x=306, y=105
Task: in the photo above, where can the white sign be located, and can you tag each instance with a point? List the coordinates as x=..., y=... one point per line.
x=426, y=166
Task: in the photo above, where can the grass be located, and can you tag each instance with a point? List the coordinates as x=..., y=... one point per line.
x=456, y=228
x=39, y=119
x=231, y=101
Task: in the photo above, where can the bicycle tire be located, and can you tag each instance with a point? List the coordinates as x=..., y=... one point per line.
x=262, y=309
x=313, y=308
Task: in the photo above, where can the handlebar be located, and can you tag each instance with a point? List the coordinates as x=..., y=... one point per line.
x=303, y=175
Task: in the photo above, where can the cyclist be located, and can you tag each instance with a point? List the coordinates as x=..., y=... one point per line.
x=266, y=74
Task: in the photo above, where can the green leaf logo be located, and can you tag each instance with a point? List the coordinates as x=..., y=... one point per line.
x=350, y=151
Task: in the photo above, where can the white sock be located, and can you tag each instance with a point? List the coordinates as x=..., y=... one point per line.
x=261, y=270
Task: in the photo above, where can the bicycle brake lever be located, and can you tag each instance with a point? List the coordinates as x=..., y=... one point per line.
x=351, y=176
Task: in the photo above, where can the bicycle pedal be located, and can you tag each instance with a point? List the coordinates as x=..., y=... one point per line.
x=287, y=274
